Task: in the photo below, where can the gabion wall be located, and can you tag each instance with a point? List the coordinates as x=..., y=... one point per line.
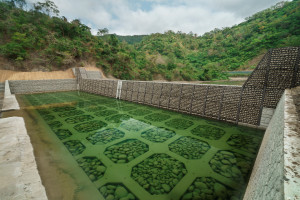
x=34, y=86
x=278, y=70
x=96, y=86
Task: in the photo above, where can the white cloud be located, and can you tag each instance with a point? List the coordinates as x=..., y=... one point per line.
x=128, y=17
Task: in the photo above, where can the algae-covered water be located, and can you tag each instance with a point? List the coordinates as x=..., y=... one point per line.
x=93, y=147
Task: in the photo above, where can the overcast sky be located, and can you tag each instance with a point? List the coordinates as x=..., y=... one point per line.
x=135, y=17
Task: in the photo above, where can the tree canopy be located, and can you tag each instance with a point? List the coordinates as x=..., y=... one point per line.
x=39, y=37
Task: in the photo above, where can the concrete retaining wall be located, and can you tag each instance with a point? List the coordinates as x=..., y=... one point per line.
x=275, y=174
x=35, y=86
x=266, y=181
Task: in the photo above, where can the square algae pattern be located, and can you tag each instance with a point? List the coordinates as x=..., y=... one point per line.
x=157, y=153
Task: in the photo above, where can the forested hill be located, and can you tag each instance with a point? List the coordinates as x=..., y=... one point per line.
x=132, y=39
x=41, y=39
x=229, y=48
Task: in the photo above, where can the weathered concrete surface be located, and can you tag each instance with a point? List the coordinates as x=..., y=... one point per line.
x=266, y=116
x=276, y=172
x=9, y=102
x=18, y=171
x=292, y=144
x=266, y=181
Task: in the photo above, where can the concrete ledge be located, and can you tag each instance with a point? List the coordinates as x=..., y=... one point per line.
x=292, y=144
x=276, y=172
x=9, y=102
x=18, y=170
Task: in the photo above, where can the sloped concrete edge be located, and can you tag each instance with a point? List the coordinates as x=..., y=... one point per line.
x=292, y=144
x=18, y=170
x=9, y=102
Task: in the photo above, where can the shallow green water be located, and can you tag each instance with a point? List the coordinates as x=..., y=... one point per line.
x=132, y=151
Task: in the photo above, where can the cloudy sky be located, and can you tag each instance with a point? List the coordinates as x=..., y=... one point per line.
x=134, y=17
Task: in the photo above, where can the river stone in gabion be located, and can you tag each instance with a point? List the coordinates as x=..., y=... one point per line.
x=189, y=147
x=118, y=118
x=208, y=188
x=79, y=118
x=126, y=151
x=159, y=173
x=63, y=109
x=92, y=166
x=90, y=126
x=208, y=132
x=105, y=136
x=105, y=113
x=62, y=133
x=140, y=112
x=179, y=124
x=116, y=191
x=134, y=125
x=95, y=108
x=55, y=124
x=48, y=117
x=158, y=134
x=71, y=113
x=244, y=142
x=231, y=165
x=75, y=147
x=157, y=117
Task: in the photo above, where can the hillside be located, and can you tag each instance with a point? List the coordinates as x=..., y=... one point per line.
x=228, y=48
x=39, y=39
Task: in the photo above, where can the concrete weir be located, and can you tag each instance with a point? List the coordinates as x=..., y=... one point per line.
x=18, y=170
x=269, y=99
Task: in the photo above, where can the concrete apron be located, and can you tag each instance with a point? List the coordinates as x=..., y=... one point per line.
x=18, y=170
x=9, y=102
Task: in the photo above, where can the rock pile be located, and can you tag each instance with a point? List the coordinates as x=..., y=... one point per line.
x=105, y=136
x=63, y=109
x=55, y=124
x=90, y=126
x=157, y=117
x=92, y=166
x=75, y=147
x=126, y=151
x=139, y=112
x=116, y=191
x=208, y=188
x=79, y=118
x=62, y=133
x=231, y=165
x=189, y=147
x=159, y=173
x=134, y=125
x=158, y=134
x=71, y=113
x=105, y=113
x=244, y=142
x=179, y=124
x=208, y=132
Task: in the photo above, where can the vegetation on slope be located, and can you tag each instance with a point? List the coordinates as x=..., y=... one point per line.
x=39, y=37
x=227, y=48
